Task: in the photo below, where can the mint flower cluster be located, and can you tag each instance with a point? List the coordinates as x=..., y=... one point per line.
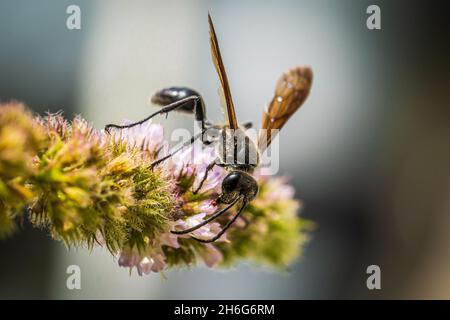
x=89, y=188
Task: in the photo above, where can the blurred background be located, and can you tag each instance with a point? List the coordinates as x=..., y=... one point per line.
x=369, y=153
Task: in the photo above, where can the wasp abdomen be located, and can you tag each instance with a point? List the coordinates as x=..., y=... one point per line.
x=170, y=95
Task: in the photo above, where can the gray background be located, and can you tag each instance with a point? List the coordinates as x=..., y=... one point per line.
x=368, y=154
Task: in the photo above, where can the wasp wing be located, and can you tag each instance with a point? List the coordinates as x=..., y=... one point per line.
x=220, y=68
x=291, y=91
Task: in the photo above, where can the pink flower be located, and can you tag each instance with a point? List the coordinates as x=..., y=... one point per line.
x=144, y=266
x=205, y=232
x=148, y=264
x=154, y=262
x=208, y=207
x=170, y=240
x=212, y=256
x=146, y=136
x=159, y=263
x=195, y=159
x=179, y=164
x=128, y=258
x=203, y=157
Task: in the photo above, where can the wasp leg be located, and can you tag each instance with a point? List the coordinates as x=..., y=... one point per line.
x=166, y=109
x=227, y=226
x=214, y=216
x=187, y=143
x=205, y=176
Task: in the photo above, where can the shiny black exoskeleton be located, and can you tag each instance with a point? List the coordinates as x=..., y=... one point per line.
x=238, y=184
x=171, y=95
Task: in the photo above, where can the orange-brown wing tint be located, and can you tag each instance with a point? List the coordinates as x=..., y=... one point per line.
x=218, y=63
x=291, y=91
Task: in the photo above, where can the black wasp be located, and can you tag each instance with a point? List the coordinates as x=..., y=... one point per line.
x=241, y=159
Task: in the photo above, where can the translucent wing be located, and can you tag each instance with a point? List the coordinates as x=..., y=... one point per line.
x=218, y=63
x=223, y=104
x=291, y=91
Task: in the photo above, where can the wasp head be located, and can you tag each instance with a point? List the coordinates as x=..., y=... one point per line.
x=238, y=184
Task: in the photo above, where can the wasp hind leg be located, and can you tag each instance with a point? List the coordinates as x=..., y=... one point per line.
x=198, y=109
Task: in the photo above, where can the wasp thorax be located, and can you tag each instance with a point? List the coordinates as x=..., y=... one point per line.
x=236, y=148
x=238, y=184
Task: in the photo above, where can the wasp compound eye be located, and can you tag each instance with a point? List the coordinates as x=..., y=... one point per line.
x=231, y=187
x=238, y=183
x=231, y=182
